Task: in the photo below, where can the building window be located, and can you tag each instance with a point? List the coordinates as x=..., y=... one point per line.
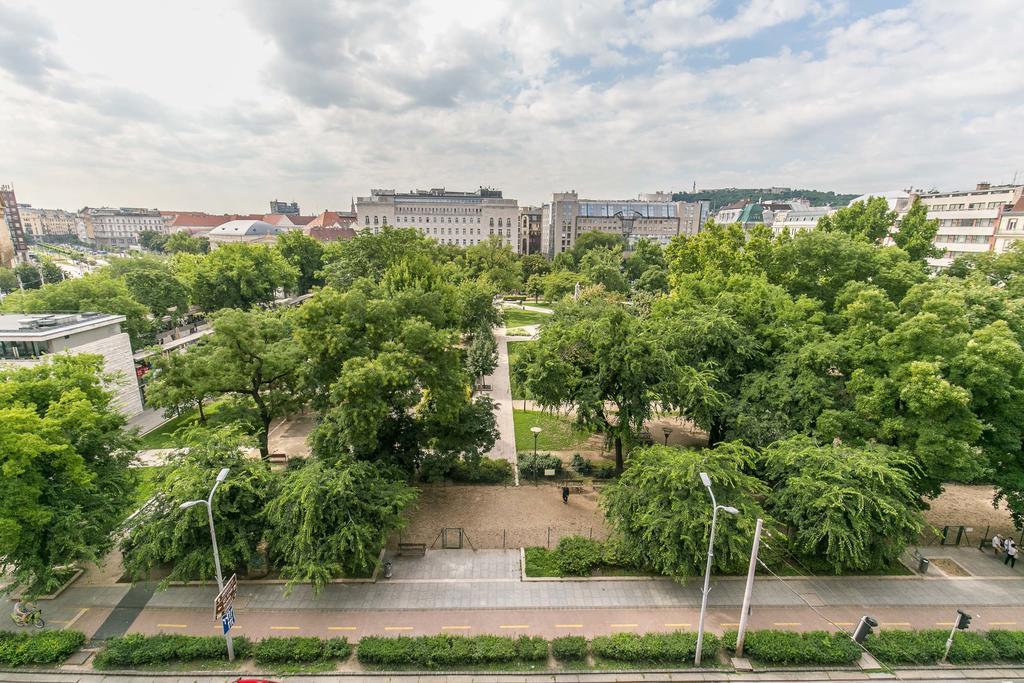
x=1011, y=224
x=367, y=219
x=492, y=222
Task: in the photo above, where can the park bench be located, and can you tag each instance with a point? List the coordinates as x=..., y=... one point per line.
x=412, y=549
x=279, y=457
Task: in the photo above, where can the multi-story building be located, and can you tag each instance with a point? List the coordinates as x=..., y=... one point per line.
x=6, y=244
x=120, y=228
x=693, y=216
x=1010, y=229
x=14, y=231
x=291, y=208
x=967, y=218
x=567, y=217
x=461, y=218
x=796, y=219
x=53, y=225
x=743, y=211
x=28, y=338
x=529, y=229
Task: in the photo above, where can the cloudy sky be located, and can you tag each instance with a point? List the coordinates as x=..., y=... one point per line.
x=221, y=105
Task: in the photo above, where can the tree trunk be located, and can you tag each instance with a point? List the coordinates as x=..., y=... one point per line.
x=618, y=455
x=265, y=439
x=716, y=433
x=202, y=413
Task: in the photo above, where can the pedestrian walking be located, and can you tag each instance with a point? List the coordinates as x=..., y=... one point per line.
x=997, y=544
x=1006, y=543
x=1011, y=555
x=565, y=495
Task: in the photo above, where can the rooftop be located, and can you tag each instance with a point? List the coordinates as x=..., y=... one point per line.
x=40, y=326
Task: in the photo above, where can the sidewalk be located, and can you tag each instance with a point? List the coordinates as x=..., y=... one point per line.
x=501, y=392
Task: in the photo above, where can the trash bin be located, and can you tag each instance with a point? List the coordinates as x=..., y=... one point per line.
x=922, y=565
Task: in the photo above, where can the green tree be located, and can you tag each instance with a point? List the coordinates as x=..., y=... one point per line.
x=179, y=383
x=184, y=243
x=162, y=535
x=870, y=220
x=535, y=287
x=66, y=483
x=494, y=262
x=654, y=280
x=604, y=267
x=916, y=233
x=369, y=255
x=332, y=520
x=482, y=355
x=152, y=283
x=236, y=276
x=153, y=240
x=847, y=507
x=50, y=271
x=535, y=264
x=660, y=508
x=29, y=276
x=560, y=283
x=645, y=255
x=8, y=280
x=304, y=254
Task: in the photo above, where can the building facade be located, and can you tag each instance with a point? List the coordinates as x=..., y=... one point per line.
x=794, y=220
x=693, y=216
x=13, y=229
x=968, y=218
x=284, y=207
x=119, y=228
x=27, y=339
x=1010, y=230
x=49, y=224
x=567, y=217
x=529, y=229
x=459, y=218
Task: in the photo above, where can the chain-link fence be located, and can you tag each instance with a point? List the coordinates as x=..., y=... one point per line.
x=497, y=538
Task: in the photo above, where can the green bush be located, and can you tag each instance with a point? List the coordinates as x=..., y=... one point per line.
x=971, y=647
x=659, y=648
x=485, y=471
x=300, y=650
x=602, y=470
x=448, y=651
x=581, y=464
x=791, y=647
x=541, y=562
x=569, y=648
x=531, y=465
x=139, y=650
x=1008, y=644
x=907, y=647
x=43, y=647
x=577, y=556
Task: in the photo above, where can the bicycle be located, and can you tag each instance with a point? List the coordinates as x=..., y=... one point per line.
x=33, y=617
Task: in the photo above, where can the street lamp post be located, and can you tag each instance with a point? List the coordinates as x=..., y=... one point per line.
x=536, y=432
x=221, y=476
x=715, y=507
x=666, y=431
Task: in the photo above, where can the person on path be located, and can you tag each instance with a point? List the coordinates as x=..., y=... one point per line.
x=997, y=544
x=565, y=495
x=1011, y=555
x=1006, y=543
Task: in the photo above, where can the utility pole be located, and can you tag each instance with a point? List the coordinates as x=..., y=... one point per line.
x=749, y=589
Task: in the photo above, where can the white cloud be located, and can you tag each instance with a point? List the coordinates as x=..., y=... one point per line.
x=223, y=108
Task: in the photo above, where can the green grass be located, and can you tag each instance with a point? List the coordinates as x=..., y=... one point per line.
x=514, y=349
x=540, y=562
x=515, y=317
x=164, y=435
x=147, y=483
x=557, y=433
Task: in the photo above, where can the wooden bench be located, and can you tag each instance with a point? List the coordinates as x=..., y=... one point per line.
x=412, y=549
x=279, y=457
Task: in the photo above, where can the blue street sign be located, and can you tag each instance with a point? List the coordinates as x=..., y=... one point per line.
x=228, y=620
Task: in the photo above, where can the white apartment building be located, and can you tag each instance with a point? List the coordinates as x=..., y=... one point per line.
x=120, y=227
x=460, y=218
x=567, y=217
x=28, y=338
x=1010, y=229
x=797, y=219
x=968, y=218
x=43, y=224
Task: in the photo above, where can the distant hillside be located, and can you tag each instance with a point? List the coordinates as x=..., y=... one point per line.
x=720, y=198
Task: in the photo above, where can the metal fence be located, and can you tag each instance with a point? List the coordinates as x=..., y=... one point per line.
x=489, y=538
x=967, y=536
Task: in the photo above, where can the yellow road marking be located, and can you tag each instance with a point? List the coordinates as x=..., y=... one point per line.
x=896, y=623
x=285, y=628
x=454, y=628
x=943, y=623
x=57, y=621
x=786, y=623
x=568, y=625
x=398, y=628
x=172, y=625
x=677, y=625
x=514, y=626
x=341, y=628
x=844, y=623
x=75, y=618
x=623, y=625
x=1002, y=623
x=729, y=623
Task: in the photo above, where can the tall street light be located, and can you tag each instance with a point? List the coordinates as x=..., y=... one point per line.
x=536, y=432
x=706, y=480
x=221, y=476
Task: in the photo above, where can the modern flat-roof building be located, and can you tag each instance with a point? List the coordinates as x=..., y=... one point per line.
x=967, y=218
x=284, y=207
x=460, y=218
x=120, y=228
x=653, y=218
x=28, y=338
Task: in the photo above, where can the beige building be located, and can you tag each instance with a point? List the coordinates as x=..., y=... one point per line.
x=28, y=338
x=52, y=224
x=529, y=229
x=652, y=217
x=460, y=218
x=1010, y=229
x=968, y=218
x=119, y=228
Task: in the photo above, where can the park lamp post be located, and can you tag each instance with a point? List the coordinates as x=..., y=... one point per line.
x=536, y=432
x=715, y=507
x=221, y=476
x=666, y=431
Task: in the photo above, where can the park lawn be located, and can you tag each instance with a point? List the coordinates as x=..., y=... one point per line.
x=515, y=317
x=147, y=482
x=164, y=435
x=558, y=433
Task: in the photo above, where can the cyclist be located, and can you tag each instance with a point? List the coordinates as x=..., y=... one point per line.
x=26, y=613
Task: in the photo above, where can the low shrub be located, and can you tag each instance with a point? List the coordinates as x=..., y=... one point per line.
x=43, y=647
x=577, y=556
x=790, y=647
x=657, y=648
x=139, y=650
x=531, y=465
x=581, y=464
x=300, y=650
x=1008, y=644
x=569, y=648
x=971, y=647
x=448, y=651
x=484, y=471
x=541, y=562
x=602, y=470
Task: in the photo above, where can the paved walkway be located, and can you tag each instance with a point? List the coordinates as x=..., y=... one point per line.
x=501, y=392
x=146, y=421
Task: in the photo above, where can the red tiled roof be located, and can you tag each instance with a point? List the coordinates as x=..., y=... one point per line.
x=331, y=218
x=1019, y=206
x=329, y=234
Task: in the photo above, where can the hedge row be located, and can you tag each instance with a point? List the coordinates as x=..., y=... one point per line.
x=926, y=647
x=438, y=652
x=657, y=648
x=138, y=650
x=42, y=647
x=300, y=650
x=790, y=647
